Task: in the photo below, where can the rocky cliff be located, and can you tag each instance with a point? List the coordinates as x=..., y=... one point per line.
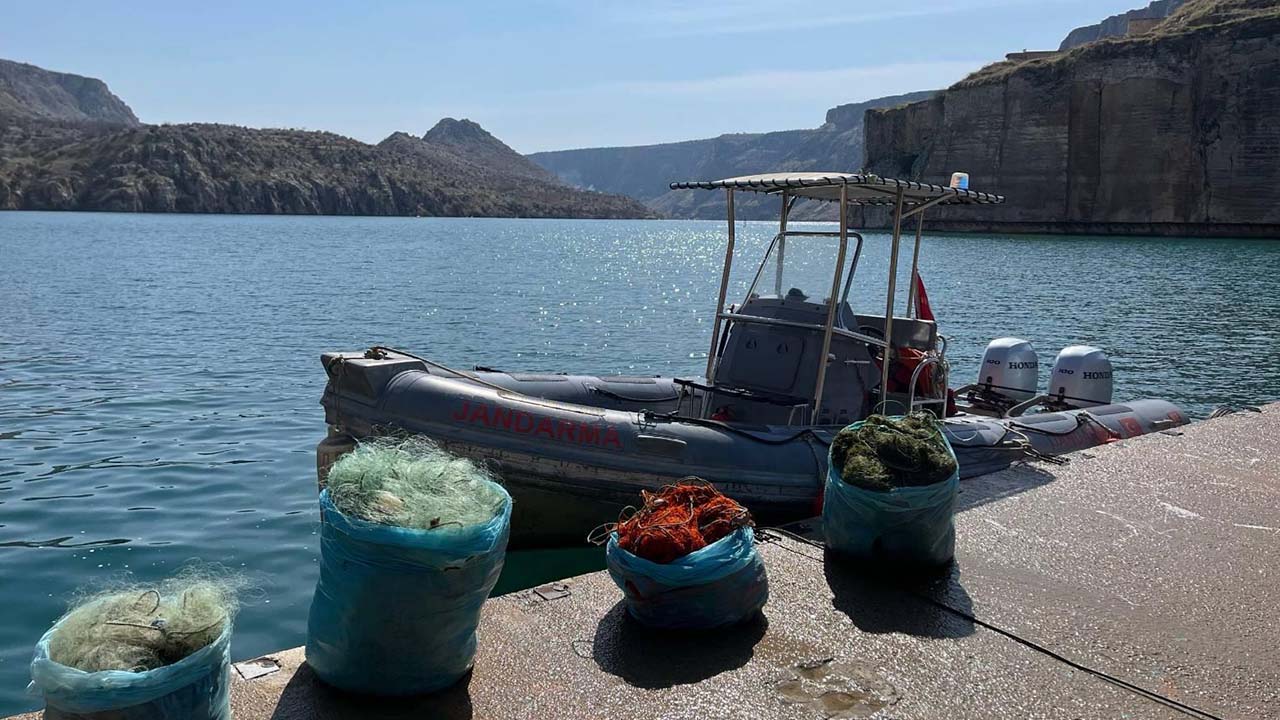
x=1172, y=131
x=228, y=169
x=67, y=143
x=27, y=91
x=644, y=172
x=472, y=143
x=1118, y=25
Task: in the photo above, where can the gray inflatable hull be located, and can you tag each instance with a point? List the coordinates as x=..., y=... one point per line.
x=572, y=466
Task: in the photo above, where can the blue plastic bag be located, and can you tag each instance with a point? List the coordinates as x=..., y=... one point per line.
x=395, y=610
x=905, y=525
x=194, y=688
x=722, y=584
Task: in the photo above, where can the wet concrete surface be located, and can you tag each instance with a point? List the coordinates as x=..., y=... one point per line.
x=1141, y=580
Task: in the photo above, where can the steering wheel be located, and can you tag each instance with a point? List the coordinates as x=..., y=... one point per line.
x=872, y=330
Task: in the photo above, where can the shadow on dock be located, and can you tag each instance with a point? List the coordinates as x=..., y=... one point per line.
x=655, y=659
x=305, y=694
x=881, y=600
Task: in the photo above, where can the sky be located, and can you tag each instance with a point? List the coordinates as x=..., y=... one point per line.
x=539, y=74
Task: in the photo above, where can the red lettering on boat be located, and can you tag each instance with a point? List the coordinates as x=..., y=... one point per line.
x=462, y=411
x=564, y=428
x=611, y=437
x=545, y=427
x=525, y=423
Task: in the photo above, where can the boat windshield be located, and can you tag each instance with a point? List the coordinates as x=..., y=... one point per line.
x=799, y=266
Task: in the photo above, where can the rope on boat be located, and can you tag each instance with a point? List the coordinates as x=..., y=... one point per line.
x=372, y=354
x=1230, y=409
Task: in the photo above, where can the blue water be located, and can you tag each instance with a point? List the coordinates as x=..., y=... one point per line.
x=160, y=375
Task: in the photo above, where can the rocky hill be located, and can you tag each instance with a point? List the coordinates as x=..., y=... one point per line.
x=1169, y=131
x=644, y=172
x=27, y=91
x=1118, y=25
x=67, y=143
x=472, y=143
x=228, y=169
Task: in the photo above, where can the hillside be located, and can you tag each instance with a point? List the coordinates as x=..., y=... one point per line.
x=67, y=143
x=470, y=142
x=644, y=172
x=29, y=92
x=1168, y=131
x=228, y=169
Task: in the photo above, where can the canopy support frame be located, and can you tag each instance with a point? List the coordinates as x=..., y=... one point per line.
x=787, y=202
x=915, y=270
x=724, y=289
x=888, y=305
x=833, y=304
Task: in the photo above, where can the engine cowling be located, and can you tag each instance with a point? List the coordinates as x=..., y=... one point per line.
x=1010, y=368
x=1081, y=377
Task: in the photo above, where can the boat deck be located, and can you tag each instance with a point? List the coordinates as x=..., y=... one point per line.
x=1141, y=580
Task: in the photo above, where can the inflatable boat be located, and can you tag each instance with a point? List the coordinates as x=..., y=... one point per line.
x=786, y=370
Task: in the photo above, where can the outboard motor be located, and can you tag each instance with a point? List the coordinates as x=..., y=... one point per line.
x=1081, y=378
x=1009, y=374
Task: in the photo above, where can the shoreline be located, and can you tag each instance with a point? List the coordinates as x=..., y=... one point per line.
x=1193, y=231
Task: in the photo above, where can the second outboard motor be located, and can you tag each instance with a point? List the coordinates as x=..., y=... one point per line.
x=1081, y=378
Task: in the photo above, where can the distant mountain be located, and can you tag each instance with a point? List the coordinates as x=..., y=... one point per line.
x=469, y=141
x=67, y=143
x=1118, y=25
x=29, y=92
x=644, y=172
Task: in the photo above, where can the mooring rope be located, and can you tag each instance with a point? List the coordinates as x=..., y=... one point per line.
x=1151, y=695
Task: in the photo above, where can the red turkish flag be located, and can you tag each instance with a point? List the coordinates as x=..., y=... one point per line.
x=923, y=311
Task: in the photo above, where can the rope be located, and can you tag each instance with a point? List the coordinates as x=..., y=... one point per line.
x=624, y=398
x=1138, y=690
x=716, y=424
x=438, y=366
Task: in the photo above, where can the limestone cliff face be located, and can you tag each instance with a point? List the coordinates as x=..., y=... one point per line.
x=27, y=91
x=645, y=171
x=1170, y=132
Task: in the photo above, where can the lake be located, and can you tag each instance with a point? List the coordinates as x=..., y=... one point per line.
x=160, y=376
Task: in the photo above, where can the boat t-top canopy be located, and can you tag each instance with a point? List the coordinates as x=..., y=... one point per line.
x=859, y=189
x=906, y=198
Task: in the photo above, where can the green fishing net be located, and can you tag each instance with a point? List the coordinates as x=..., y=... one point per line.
x=144, y=626
x=883, y=453
x=412, y=483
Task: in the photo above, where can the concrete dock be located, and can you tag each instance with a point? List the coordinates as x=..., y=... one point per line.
x=1140, y=580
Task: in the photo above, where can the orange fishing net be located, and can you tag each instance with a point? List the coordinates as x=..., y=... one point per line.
x=679, y=519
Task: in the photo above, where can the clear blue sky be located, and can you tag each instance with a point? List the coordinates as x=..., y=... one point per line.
x=540, y=74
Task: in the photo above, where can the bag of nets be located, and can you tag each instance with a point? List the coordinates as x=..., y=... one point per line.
x=412, y=541
x=890, y=492
x=146, y=652
x=687, y=560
